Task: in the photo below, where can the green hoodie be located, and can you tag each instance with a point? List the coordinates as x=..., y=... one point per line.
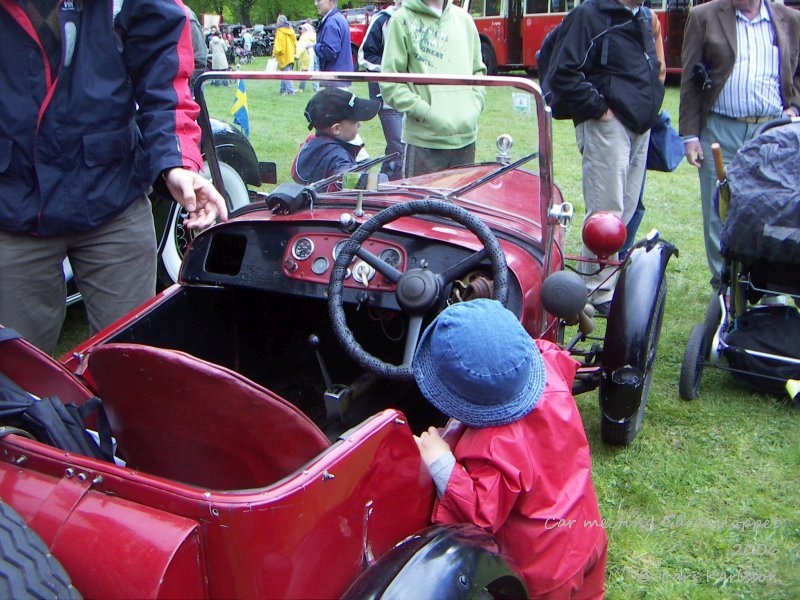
x=422, y=41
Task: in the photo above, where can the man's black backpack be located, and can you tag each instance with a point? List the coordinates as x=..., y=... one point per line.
x=543, y=57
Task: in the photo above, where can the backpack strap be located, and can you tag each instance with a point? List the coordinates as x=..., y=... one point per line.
x=95, y=405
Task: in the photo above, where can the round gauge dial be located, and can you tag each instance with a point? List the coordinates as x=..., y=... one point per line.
x=320, y=265
x=338, y=248
x=391, y=257
x=302, y=248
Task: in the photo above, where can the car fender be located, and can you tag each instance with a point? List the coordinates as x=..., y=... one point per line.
x=454, y=561
x=632, y=309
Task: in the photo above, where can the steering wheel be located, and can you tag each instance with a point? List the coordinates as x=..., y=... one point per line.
x=417, y=290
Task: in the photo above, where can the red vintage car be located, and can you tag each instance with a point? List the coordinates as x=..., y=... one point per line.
x=263, y=407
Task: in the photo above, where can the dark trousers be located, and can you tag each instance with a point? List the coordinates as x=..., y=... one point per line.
x=420, y=161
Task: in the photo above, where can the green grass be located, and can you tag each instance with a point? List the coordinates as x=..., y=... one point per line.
x=704, y=504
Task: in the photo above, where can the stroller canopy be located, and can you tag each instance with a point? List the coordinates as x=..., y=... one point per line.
x=763, y=220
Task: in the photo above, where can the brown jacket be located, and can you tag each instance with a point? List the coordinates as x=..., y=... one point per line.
x=710, y=38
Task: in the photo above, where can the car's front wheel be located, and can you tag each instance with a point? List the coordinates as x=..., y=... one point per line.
x=177, y=237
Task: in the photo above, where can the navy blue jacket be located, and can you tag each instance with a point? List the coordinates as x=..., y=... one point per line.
x=74, y=152
x=322, y=156
x=333, y=47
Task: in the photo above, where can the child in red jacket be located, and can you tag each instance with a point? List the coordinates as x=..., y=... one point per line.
x=520, y=466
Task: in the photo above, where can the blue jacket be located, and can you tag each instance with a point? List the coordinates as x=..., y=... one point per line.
x=321, y=156
x=333, y=45
x=74, y=151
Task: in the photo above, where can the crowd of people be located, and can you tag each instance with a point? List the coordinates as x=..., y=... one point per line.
x=606, y=73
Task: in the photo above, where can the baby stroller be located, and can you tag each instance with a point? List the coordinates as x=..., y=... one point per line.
x=753, y=322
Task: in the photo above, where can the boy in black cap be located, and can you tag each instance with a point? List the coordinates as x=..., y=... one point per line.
x=336, y=114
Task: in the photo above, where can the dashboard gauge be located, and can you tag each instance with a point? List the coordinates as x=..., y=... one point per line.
x=320, y=265
x=338, y=248
x=302, y=248
x=391, y=257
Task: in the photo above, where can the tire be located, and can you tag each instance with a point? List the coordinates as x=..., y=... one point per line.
x=489, y=59
x=27, y=569
x=623, y=433
x=177, y=237
x=713, y=316
x=693, y=361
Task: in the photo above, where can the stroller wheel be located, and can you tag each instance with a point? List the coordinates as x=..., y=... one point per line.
x=693, y=362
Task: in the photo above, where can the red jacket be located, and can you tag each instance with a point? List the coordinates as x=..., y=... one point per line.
x=530, y=484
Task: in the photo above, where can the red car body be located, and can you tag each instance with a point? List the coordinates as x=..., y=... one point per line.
x=240, y=481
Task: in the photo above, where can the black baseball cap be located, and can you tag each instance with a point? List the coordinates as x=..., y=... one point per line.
x=332, y=105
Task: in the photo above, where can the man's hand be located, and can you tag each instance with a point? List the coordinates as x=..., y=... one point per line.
x=790, y=112
x=694, y=153
x=198, y=196
x=431, y=445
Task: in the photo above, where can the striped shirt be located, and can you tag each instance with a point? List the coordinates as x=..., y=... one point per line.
x=753, y=89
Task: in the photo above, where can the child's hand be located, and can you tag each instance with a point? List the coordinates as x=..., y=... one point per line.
x=431, y=445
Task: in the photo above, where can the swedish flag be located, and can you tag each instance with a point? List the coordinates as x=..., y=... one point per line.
x=239, y=109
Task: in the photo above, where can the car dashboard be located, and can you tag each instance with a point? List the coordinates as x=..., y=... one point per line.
x=297, y=257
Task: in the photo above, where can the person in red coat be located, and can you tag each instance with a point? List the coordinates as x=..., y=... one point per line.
x=520, y=465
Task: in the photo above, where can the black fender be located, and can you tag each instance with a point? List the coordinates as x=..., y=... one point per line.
x=629, y=321
x=235, y=149
x=442, y=562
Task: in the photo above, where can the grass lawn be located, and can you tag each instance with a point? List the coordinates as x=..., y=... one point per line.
x=704, y=504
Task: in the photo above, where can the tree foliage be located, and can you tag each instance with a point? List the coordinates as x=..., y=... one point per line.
x=252, y=12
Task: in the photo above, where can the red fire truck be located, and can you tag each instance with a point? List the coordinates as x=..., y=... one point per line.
x=512, y=30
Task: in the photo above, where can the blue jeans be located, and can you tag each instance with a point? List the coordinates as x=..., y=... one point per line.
x=392, y=124
x=287, y=86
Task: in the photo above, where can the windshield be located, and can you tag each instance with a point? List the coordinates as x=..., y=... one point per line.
x=490, y=131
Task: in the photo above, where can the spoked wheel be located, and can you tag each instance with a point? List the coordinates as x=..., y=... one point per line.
x=178, y=237
x=693, y=362
x=419, y=291
x=637, y=381
x=27, y=568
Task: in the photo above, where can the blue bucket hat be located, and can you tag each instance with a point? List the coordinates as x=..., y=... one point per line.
x=476, y=363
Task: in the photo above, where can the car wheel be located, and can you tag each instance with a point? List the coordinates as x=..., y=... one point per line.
x=27, y=568
x=177, y=237
x=488, y=58
x=693, y=362
x=622, y=433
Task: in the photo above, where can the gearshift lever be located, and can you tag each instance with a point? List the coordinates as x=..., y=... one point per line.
x=313, y=341
x=337, y=397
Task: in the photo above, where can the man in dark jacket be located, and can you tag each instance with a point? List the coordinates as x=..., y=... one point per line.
x=95, y=109
x=604, y=74
x=333, y=47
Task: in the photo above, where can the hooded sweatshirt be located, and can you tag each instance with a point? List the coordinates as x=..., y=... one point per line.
x=420, y=40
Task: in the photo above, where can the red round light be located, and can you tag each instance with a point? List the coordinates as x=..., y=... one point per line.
x=604, y=234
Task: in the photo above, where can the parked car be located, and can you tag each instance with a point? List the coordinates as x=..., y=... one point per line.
x=240, y=168
x=264, y=405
